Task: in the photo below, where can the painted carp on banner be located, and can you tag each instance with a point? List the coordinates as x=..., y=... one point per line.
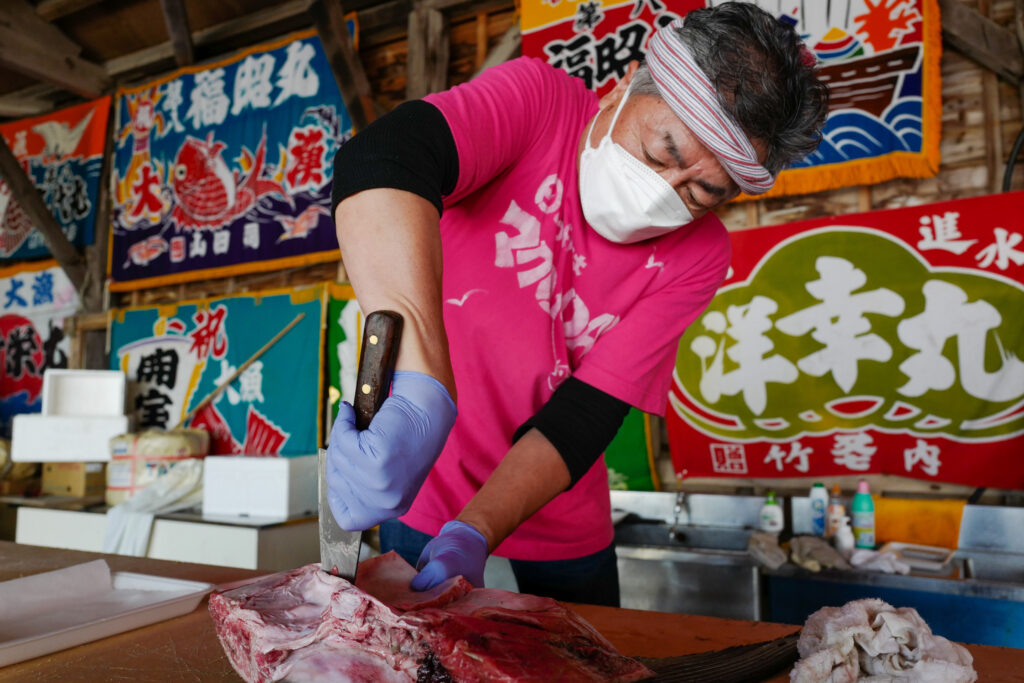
x=207, y=193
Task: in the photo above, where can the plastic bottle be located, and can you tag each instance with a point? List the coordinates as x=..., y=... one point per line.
x=863, y=509
x=844, y=538
x=836, y=511
x=771, y=515
x=819, y=508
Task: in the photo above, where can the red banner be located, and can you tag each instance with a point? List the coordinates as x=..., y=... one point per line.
x=884, y=342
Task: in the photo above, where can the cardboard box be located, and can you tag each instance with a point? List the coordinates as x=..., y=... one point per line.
x=64, y=438
x=77, y=479
x=259, y=486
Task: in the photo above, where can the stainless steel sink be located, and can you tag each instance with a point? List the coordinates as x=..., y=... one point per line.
x=992, y=566
x=661, y=535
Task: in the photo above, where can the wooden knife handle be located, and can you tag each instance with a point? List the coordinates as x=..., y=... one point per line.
x=382, y=333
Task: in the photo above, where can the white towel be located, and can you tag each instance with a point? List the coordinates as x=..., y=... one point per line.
x=870, y=640
x=883, y=562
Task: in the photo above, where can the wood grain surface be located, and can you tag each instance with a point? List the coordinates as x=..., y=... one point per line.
x=186, y=648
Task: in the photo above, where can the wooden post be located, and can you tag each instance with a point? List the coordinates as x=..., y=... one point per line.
x=176, y=19
x=25, y=193
x=427, y=69
x=329, y=18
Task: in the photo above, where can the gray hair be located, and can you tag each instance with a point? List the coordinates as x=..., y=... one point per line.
x=763, y=74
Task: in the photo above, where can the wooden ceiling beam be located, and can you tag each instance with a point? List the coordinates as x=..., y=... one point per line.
x=24, y=25
x=176, y=19
x=15, y=106
x=329, y=19
x=30, y=45
x=979, y=38
x=55, y=9
x=70, y=73
x=289, y=16
x=25, y=193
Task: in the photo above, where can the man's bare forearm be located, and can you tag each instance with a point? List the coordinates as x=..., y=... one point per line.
x=530, y=475
x=391, y=246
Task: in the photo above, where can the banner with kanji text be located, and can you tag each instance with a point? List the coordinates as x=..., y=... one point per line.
x=880, y=61
x=226, y=168
x=886, y=342
x=62, y=154
x=35, y=299
x=177, y=355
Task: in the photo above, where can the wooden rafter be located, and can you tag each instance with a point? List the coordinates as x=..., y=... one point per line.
x=427, y=68
x=176, y=19
x=981, y=39
x=284, y=17
x=329, y=19
x=16, y=106
x=30, y=45
x=55, y=9
x=25, y=193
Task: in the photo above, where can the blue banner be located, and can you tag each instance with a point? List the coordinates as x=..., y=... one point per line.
x=227, y=168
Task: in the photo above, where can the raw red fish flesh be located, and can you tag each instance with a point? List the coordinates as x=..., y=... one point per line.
x=306, y=625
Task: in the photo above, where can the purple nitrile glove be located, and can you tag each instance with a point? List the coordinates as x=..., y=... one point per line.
x=374, y=474
x=458, y=549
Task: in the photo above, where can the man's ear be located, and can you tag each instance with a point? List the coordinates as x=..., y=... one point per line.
x=613, y=95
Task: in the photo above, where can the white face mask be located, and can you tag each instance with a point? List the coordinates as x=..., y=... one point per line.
x=623, y=198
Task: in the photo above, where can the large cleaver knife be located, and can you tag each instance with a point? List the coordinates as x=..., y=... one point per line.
x=382, y=332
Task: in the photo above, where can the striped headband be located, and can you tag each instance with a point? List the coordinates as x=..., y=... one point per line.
x=691, y=96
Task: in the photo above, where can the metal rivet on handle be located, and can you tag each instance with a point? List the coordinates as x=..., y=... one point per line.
x=366, y=388
x=373, y=339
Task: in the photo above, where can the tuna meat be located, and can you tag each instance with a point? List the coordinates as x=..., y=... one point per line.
x=306, y=625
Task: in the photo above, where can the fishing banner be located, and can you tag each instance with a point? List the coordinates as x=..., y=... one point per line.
x=887, y=342
x=226, y=168
x=36, y=298
x=177, y=355
x=630, y=456
x=879, y=58
x=344, y=336
x=62, y=153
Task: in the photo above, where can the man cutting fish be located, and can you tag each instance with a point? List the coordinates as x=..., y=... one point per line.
x=547, y=250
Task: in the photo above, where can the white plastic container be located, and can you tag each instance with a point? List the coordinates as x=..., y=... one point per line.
x=64, y=438
x=259, y=486
x=771, y=517
x=83, y=393
x=844, y=538
x=819, y=509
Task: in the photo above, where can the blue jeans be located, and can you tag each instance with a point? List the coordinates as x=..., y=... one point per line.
x=592, y=579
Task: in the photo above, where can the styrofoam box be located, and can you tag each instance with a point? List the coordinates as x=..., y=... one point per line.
x=64, y=438
x=83, y=392
x=258, y=486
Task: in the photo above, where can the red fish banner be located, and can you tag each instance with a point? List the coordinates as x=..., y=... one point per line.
x=35, y=299
x=62, y=153
x=880, y=59
x=226, y=168
x=887, y=342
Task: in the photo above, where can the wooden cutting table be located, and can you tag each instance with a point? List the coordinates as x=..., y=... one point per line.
x=186, y=648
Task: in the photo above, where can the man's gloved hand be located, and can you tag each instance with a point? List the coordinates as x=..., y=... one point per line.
x=374, y=474
x=458, y=549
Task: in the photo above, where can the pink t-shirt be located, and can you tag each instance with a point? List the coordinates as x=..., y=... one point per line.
x=533, y=295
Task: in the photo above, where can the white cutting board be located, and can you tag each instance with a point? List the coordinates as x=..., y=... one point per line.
x=56, y=610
